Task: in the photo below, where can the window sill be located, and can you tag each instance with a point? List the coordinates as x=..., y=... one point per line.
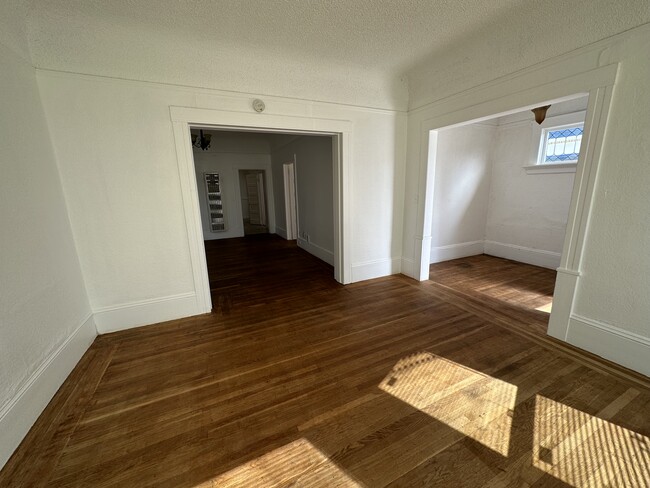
x=542, y=169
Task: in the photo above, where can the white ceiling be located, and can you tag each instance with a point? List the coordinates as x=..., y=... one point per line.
x=354, y=51
x=387, y=35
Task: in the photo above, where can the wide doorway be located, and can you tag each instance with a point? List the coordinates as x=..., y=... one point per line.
x=501, y=200
x=267, y=203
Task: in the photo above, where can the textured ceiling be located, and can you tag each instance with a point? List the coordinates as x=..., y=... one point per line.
x=371, y=34
x=354, y=51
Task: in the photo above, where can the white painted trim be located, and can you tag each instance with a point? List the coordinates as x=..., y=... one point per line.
x=202, y=91
x=540, y=132
x=598, y=53
x=566, y=284
x=585, y=178
x=500, y=102
x=281, y=232
x=522, y=254
x=455, y=251
x=145, y=312
x=183, y=117
x=193, y=224
x=377, y=268
x=316, y=250
x=569, y=271
x=19, y=415
x=611, y=342
x=423, y=249
x=560, y=79
x=547, y=169
x=290, y=199
x=408, y=268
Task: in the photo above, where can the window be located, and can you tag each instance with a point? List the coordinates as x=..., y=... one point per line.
x=555, y=146
x=562, y=144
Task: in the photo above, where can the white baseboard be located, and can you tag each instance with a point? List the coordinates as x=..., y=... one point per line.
x=320, y=252
x=537, y=257
x=455, y=251
x=566, y=284
x=18, y=416
x=145, y=312
x=408, y=268
x=281, y=232
x=375, y=269
x=626, y=348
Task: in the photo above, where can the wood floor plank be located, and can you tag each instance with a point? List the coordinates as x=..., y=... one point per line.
x=295, y=380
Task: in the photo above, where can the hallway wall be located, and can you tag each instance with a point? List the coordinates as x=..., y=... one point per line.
x=314, y=187
x=228, y=153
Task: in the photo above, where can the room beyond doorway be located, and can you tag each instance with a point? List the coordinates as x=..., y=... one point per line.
x=503, y=187
x=339, y=131
x=244, y=192
x=242, y=186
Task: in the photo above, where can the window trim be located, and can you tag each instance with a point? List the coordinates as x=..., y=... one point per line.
x=536, y=165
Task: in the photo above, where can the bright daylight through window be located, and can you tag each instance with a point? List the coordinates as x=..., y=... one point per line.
x=561, y=144
x=557, y=144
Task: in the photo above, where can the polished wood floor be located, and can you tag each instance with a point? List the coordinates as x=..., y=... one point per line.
x=297, y=381
x=515, y=283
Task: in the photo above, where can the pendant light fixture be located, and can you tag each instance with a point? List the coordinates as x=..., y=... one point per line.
x=202, y=140
x=540, y=113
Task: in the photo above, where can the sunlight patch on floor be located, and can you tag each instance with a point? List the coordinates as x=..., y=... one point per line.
x=298, y=463
x=475, y=404
x=546, y=308
x=586, y=451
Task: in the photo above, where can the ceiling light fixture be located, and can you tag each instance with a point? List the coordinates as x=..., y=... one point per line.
x=540, y=113
x=202, y=140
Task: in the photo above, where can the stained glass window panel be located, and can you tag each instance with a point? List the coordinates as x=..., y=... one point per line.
x=563, y=145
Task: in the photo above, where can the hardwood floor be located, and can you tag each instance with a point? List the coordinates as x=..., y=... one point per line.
x=298, y=381
x=516, y=283
x=251, y=272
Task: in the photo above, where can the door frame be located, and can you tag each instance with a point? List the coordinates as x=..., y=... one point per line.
x=340, y=131
x=598, y=84
x=290, y=200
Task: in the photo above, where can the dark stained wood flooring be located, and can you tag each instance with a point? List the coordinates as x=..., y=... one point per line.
x=296, y=381
x=515, y=283
x=248, y=273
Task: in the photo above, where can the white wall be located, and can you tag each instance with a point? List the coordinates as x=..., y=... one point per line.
x=228, y=153
x=528, y=213
x=462, y=190
x=118, y=163
x=615, y=289
x=519, y=36
x=314, y=188
x=279, y=48
x=45, y=322
x=609, y=314
x=486, y=202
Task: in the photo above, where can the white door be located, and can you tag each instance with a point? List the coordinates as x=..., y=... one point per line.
x=290, y=201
